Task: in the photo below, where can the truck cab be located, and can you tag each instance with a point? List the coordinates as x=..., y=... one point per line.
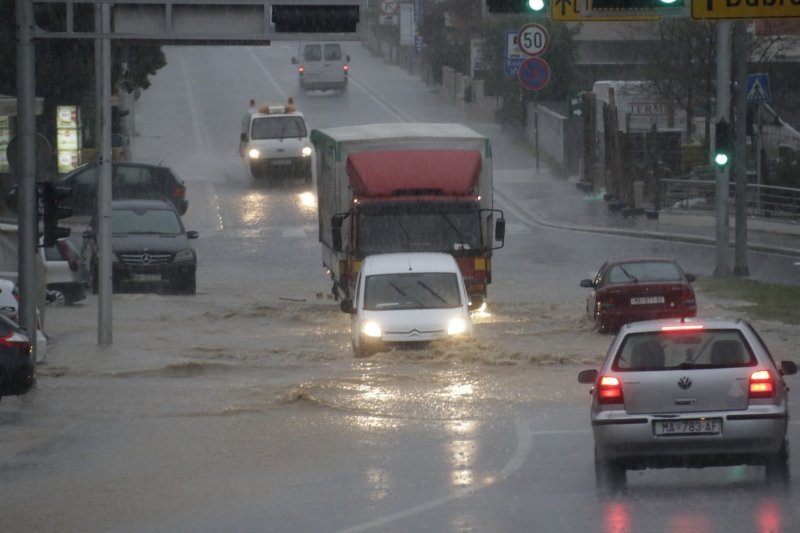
x=274, y=142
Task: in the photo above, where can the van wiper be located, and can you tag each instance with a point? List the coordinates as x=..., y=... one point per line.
x=430, y=290
x=404, y=295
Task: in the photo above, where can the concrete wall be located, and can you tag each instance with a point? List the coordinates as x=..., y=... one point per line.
x=560, y=138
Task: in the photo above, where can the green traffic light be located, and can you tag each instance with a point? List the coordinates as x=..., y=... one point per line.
x=721, y=159
x=538, y=5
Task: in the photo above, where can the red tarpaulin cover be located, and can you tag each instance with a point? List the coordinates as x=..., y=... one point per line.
x=388, y=172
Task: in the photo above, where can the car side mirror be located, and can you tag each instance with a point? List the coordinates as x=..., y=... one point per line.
x=294, y=61
x=346, y=305
x=88, y=234
x=587, y=283
x=587, y=377
x=347, y=57
x=690, y=278
x=243, y=137
x=788, y=368
x=192, y=234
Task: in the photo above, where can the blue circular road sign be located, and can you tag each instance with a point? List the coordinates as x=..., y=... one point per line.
x=534, y=74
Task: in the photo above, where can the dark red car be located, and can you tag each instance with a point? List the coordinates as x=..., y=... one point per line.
x=639, y=288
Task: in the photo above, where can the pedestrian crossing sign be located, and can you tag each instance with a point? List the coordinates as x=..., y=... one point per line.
x=757, y=88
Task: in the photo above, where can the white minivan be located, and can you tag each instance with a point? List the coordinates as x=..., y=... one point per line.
x=407, y=300
x=322, y=66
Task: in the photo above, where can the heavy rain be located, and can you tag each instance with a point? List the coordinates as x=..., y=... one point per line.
x=241, y=403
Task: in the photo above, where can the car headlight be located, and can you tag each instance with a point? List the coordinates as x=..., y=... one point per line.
x=184, y=255
x=457, y=326
x=306, y=151
x=254, y=153
x=371, y=329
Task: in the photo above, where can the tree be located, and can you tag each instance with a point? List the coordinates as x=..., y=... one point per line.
x=682, y=69
x=449, y=26
x=65, y=67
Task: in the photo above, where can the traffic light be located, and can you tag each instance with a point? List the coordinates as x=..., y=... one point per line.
x=515, y=6
x=53, y=210
x=722, y=143
x=633, y=5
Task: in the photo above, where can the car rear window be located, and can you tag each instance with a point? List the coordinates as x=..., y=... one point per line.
x=643, y=271
x=312, y=52
x=672, y=350
x=333, y=52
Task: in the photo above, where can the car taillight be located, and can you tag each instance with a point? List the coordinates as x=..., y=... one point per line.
x=761, y=384
x=687, y=297
x=68, y=254
x=609, y=390
x=346, y=68
x=301, y=70
x=14, y=340
x=179, y=191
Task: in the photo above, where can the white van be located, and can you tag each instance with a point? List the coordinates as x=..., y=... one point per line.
x=274, y=141
x=322, y=66
x=407, y=299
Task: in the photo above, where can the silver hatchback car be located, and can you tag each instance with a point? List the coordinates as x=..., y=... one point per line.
x=688, y=393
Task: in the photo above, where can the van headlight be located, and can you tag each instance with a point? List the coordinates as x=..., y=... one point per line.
x=306, y=151
x=254, y=153
x=457, y=326
x=371, y=329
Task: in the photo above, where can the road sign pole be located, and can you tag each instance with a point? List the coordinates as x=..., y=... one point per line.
x=722, y=269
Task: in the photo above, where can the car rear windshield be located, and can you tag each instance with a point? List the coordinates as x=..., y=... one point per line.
x=683, y=349
x=643, y=271
x=423, y=290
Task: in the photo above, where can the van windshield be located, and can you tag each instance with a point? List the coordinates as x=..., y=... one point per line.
x=418, y=290
x=278, y=128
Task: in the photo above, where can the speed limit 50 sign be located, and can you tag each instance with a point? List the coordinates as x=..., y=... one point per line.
x=533, y=39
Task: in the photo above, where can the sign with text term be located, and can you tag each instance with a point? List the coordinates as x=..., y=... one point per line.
x=745, y=9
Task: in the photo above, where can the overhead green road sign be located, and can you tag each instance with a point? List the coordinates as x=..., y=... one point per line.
x=745, y=9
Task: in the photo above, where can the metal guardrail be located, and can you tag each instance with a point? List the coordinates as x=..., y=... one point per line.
x=764, y=201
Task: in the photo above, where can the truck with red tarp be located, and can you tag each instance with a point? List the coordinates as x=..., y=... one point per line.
x=406, y=187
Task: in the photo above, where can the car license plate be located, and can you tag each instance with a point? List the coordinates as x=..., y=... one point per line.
x=690, y=426
x=281, y=162
x=146, y=277
x=643, y=300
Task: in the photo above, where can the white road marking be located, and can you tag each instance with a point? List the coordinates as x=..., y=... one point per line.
x=524, y=445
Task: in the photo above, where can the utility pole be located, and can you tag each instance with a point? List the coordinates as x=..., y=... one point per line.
x=28, y=229
x=740, y=55
x=723, y=112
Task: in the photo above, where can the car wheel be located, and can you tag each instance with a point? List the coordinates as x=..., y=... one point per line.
x=55, y=297
x=776, y=468
x=361, y=350
x=609, y=476
x=256, y=171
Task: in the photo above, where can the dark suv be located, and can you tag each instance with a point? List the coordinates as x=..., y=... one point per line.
x=128, y=181
x=149, y=244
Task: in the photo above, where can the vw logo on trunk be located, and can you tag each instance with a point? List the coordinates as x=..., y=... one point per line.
x=684, y=383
